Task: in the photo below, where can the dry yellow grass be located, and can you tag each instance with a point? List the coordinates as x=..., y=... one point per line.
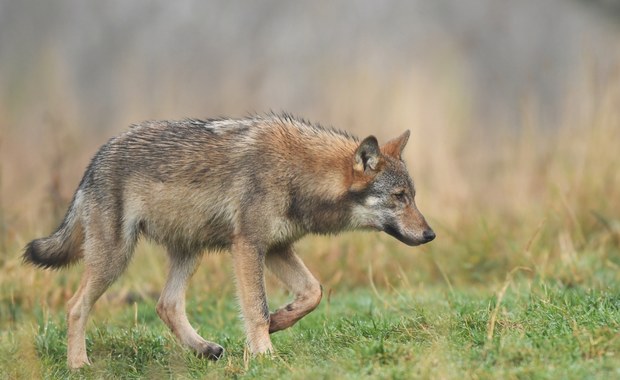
x=497, y=198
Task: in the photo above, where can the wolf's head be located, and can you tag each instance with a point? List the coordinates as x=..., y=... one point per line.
x=384, y=192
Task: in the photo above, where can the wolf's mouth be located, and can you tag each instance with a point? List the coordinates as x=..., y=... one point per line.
x=393, y=231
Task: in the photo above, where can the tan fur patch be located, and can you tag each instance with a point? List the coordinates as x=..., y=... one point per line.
x=394, y=147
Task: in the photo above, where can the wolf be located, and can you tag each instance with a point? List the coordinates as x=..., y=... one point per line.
x=252, y=187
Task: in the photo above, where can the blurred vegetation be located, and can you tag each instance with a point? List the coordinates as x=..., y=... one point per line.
x=515, y=117
x=540, y=190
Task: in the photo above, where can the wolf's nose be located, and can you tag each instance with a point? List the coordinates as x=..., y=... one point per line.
x=428, y=235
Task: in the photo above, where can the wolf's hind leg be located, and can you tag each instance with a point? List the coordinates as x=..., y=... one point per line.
x=296, y=277
x=171, y=305
x=104, y=261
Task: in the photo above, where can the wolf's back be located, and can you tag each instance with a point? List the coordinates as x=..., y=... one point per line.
x=191, y=173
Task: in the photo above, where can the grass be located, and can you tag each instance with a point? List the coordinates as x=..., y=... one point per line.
x=522, y=282
x=543, y=329
x=511, y=288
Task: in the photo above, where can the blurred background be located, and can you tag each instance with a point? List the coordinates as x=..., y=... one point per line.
x=514, y=108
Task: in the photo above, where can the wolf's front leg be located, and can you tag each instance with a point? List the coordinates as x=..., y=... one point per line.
x=289, y=269
x=249, y=262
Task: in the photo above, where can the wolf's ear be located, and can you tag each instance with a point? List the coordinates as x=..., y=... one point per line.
x=394, y=147
x=367, y=155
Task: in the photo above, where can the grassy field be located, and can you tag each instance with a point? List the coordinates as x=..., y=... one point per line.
x=523, y=280
x=536, y=329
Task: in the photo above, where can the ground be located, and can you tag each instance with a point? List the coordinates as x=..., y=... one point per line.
x=541, y=328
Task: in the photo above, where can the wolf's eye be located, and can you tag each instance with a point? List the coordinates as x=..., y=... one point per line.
x=401, y=196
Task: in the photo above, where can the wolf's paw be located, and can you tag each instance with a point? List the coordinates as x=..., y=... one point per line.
x=77, y=363
x=261, y=348
x=211, y=351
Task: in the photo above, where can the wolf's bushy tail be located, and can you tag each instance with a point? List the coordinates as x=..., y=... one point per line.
x=64, y=246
